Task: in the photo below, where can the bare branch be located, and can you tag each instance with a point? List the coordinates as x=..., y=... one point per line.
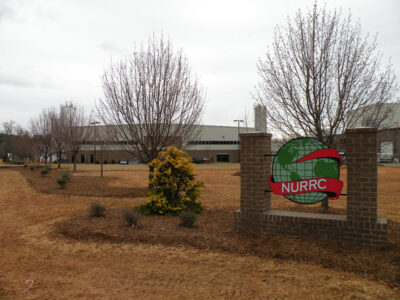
x=321, y=68
x=152, y=100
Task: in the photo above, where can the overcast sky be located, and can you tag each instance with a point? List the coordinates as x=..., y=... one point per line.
x=55, y=51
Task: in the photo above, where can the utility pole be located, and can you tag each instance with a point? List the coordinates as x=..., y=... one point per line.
x=238, y=121
x=94, y=140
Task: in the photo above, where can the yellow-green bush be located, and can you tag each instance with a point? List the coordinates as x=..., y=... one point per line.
x=172, y=185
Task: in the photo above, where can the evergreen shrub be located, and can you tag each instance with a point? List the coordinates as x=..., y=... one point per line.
x=61, y=182
x=96, y=210
x=131, y=217
x=188, y=218
x=172, y=186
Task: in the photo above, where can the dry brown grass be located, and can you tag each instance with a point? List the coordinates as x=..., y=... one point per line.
x=214, y=231
x=89, y=184
x=65, y=268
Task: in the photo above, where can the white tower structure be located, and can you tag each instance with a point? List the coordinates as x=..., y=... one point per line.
x=67, y=110
x=260, y=118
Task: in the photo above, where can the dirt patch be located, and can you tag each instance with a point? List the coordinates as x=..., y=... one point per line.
x=83, y=184
x=215, y=231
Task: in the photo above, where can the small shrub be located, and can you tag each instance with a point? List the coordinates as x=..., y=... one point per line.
x=44, y=171
x=32, y=167
x=96, y=210
x=66, y=175
x=188, y=218
x=97, y=162
x=113, y=161
x=131, y=217
x=5, y=158
x=61, y=182
x=105, y=162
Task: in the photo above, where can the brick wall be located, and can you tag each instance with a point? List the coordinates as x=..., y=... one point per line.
x=361, y=224
x=254, y=172
x=362, y=174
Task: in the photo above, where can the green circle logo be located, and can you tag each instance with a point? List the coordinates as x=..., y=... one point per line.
x=306, y=171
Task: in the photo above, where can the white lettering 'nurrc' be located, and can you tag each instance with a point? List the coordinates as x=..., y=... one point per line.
x=303, y=186
x=319, y=184
x=285, y=186
x=313, y=184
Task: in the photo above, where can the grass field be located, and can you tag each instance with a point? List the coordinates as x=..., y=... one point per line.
x=46, y=237
x=118, y=167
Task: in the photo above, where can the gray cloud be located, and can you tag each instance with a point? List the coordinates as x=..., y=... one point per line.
x=5, y=11
x=110, y=47
x=23, y=82
x=15, y=81
x=52, y=51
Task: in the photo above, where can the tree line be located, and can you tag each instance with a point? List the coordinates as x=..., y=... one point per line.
x=52, y=132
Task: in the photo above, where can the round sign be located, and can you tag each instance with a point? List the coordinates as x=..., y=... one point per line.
x=306, y=171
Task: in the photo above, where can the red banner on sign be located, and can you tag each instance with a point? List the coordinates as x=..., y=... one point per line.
x=331, y=186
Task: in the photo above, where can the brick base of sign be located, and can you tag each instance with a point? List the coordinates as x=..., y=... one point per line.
x=319, y=226
x=360, y=225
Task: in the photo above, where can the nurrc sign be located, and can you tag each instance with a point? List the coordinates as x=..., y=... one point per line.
x=305, y=170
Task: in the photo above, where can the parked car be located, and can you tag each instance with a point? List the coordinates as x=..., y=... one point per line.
x=385, y=157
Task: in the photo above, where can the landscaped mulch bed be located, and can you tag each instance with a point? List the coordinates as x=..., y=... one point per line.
x=214, y=230
x=87, y=186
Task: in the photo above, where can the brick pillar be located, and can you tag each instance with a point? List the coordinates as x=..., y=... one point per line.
x=362, y=175
x=255, y=169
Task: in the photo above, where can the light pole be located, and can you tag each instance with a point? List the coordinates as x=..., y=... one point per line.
x=238, y=121
x=94, y=138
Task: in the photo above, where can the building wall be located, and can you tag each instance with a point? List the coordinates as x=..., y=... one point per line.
x=209, y=155
x=390, y=135
x=108, y=155
x=205, y=144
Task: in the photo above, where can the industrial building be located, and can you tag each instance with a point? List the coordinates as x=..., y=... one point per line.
x=209, y=144
x=388, y=132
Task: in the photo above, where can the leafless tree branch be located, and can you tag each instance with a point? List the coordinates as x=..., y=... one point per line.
x=152, y=100
x=319, y=69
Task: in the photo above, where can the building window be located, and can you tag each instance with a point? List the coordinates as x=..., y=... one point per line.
x=213, y=142
x=222, y=157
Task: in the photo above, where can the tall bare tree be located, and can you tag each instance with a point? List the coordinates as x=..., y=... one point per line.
x=77, y=129
x=318, y=71
x=9, y=127
x=59, y=131
x=41, y=131
x=16, y=140
x=152, y=100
